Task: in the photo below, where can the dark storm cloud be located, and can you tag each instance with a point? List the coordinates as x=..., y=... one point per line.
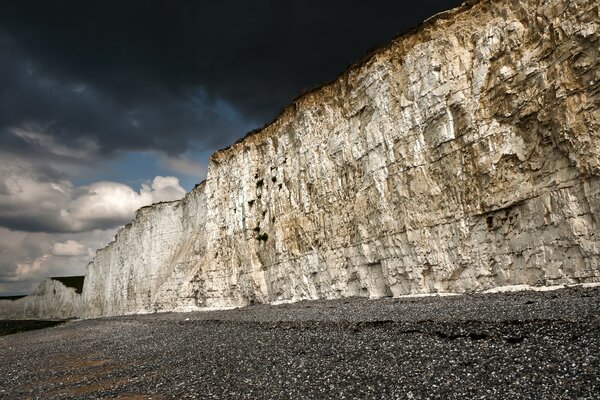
x=135, y=75
x=74, y=110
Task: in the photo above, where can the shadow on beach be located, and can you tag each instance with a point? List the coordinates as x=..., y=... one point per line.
x=9, y=327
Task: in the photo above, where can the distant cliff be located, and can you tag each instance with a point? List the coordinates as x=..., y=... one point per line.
x=465, y=155
x=54, y=298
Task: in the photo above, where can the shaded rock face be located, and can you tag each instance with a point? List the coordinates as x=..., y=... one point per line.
x=463, y=156
x=52, y=299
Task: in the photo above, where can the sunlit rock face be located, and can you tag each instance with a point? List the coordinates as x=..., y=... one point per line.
x=52, y=299
x=153, y=263
x=463, y=156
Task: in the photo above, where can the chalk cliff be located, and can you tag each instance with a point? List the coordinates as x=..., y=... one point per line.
x=465, y=155
x=54, y=298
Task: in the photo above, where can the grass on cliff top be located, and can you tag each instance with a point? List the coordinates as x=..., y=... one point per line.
x=9, y=327
x=75, y=282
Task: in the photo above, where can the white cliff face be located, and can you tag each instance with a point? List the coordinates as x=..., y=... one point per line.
x=50, y=300
x=463, y=156
x=152, y=263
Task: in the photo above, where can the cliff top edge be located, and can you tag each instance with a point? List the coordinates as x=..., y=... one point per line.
x=371, y=54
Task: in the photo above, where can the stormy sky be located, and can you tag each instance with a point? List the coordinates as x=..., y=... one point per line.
x=107, y=106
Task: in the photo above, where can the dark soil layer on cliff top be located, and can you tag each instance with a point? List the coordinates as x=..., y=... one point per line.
x=517, y=345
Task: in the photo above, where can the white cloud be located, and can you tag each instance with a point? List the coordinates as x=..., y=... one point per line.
x=114, y=203
x=70, y=248
x=163, y=188
x=26, y=258
x=32, y=268
x=31, y=204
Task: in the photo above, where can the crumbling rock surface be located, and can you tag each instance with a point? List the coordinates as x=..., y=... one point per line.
x=462, y=156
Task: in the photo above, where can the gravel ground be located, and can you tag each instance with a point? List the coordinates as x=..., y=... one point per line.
x=542, y=345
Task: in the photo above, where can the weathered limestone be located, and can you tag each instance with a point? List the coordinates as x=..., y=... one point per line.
x=52, y=299
x=152, y=263
x=463, y=156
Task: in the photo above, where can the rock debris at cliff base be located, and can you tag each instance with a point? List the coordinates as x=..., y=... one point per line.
x=542, y=345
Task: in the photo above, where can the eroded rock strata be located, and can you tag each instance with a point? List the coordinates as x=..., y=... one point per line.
x=462, y=156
